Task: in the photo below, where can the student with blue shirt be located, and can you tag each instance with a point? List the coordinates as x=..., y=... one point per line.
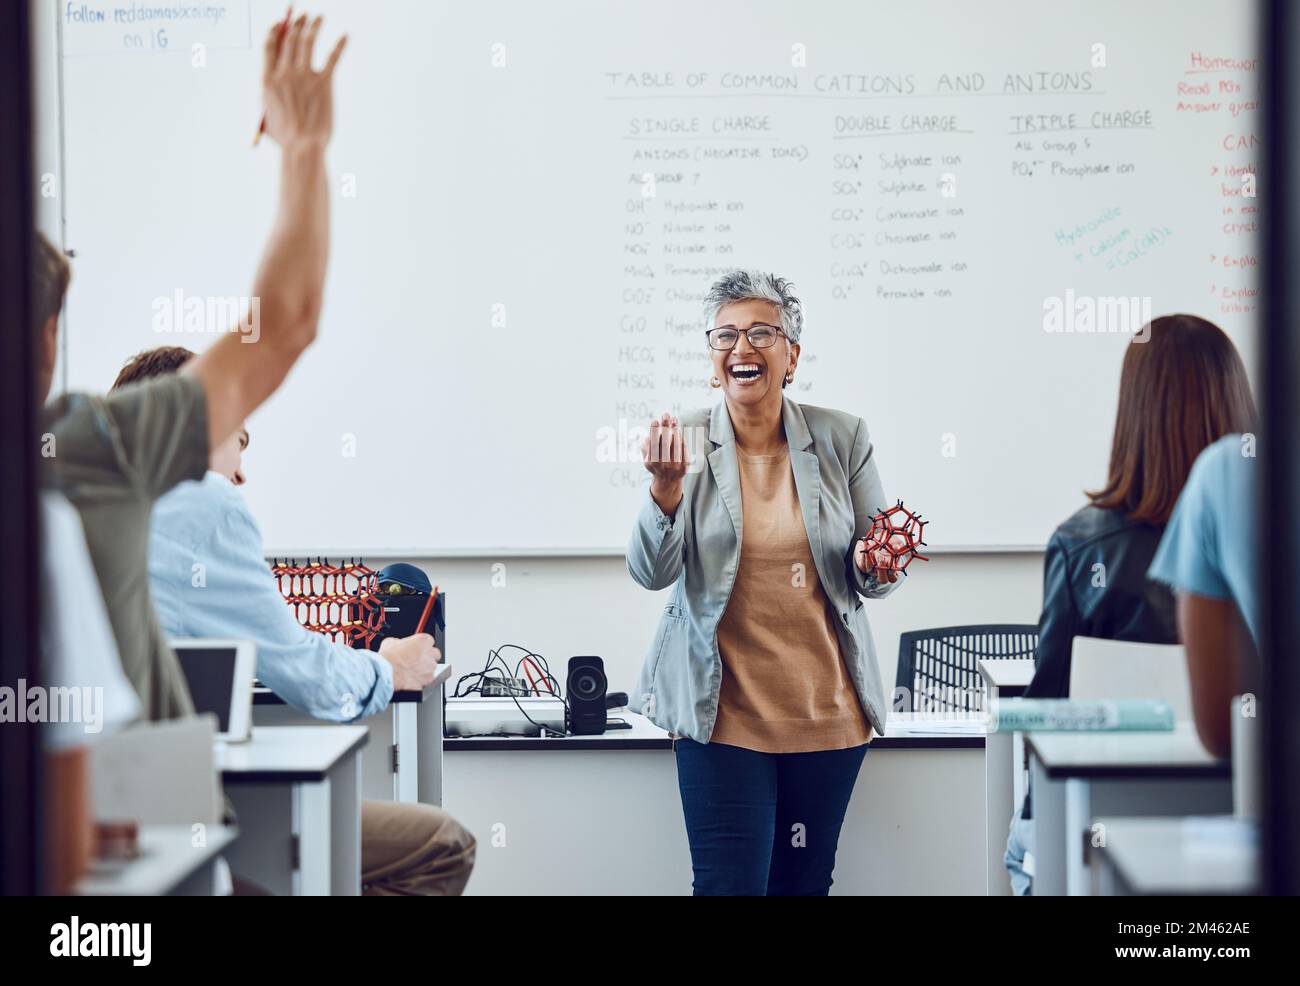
x=209, y=578
x=1208, y=557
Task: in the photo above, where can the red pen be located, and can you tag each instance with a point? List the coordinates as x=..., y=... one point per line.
x=428, y=606
x=261, y=128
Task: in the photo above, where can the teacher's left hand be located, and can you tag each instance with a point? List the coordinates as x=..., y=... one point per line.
x=877, y=559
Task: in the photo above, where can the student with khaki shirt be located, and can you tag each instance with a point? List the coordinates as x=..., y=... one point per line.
x=114, y=456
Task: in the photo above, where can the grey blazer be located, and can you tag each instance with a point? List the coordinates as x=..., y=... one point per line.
x=698, y=552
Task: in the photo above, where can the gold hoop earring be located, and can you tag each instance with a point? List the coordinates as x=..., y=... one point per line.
x=715, y=383
x=789, y=377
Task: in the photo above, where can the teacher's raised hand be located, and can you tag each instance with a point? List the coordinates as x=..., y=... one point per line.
x=664, y=451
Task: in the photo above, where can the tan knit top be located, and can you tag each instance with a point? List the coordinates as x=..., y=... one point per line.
x=785, y=688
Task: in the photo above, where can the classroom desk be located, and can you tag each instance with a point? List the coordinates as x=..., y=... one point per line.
x=602, y=814
x=408, y=739
x=297, y=795
x=1009, y=676
x=1079, y=776
x=1004, y=782
x=1197, y=856
x=169, y=863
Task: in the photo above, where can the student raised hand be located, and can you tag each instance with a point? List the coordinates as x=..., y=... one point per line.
x=299, y=100
x=242, y=369
x=414, y=660
x=664, y=451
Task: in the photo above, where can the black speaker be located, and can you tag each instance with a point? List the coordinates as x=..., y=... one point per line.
x=585, y=714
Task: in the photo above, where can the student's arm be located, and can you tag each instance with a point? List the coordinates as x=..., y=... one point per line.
x=238, y=598
x=1190, y=561
x=1057, y=627
x=241, y=370
x=1217, y=647
x=868, y=495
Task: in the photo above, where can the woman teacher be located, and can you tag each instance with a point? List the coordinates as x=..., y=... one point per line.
x=763, y=665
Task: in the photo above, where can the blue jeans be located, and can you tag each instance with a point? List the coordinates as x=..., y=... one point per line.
x=764, y=824
x=1020, y=839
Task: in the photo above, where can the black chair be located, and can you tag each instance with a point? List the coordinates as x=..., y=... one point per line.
x=937, y=668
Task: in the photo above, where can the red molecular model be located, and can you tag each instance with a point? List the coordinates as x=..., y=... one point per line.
x=898, y=533
x=340, y=601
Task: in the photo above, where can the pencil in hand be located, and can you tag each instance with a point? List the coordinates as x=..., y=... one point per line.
x=428, y=608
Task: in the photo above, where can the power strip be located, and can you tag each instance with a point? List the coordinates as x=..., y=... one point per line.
x=479, y=716
x=498, y=688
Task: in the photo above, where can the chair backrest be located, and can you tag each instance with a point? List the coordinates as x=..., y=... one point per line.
x=938, y=668
x=158, y=773
x=1126, y=669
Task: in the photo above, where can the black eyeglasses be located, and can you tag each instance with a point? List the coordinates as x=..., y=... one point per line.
x=760, y=336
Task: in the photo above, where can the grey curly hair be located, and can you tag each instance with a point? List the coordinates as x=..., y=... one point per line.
x=757, y=285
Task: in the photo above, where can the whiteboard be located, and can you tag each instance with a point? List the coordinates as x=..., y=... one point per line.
x=529, y=200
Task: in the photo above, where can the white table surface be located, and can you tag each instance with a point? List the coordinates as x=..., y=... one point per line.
x=1214, y=855
x=301, y=753
x=1007, y=672
x=901, y=729
x=302, y=781
x=1069, y=754
x=167, y=858
x=1079, y=777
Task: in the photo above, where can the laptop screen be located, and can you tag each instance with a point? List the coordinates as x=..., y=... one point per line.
x=210, y=672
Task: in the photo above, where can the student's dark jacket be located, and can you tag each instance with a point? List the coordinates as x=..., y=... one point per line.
x=1095, y=585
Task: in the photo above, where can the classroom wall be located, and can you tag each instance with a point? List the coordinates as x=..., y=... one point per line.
x=560, y=607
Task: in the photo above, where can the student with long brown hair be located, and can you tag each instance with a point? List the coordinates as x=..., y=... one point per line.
x=1182, y=387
